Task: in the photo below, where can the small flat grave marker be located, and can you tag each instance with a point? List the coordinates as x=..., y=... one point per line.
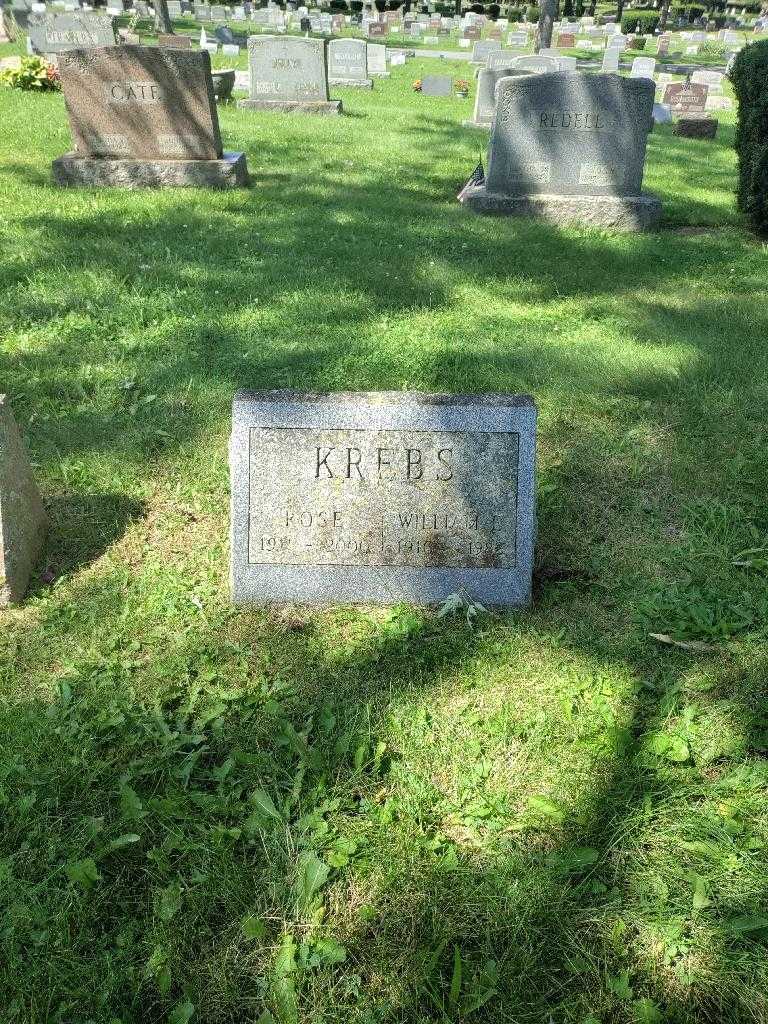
x=436, y=85
x=380, y=498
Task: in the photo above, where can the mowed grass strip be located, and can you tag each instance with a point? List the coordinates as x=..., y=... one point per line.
x=225, y=815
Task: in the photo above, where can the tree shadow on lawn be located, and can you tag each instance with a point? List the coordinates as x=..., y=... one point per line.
x=298, y=264
x=417, y=887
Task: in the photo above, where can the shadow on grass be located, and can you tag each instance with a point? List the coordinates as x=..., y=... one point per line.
x=167, y=726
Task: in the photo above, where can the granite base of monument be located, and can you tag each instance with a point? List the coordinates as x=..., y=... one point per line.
x=353, y=83
x=619, y=213
x=73, y=170
x=294, y=106
x=382, y=497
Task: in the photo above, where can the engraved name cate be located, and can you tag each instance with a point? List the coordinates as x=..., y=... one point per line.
x=134, y=92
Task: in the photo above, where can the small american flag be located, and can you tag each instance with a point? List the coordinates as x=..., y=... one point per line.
x=477, y=177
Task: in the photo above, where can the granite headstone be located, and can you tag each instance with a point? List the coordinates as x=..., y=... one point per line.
x=59, y=33
x=347, y=63
x=144, y=116
x=379, y=498
x=569, y=147
x=288, y=74
x=23, y=522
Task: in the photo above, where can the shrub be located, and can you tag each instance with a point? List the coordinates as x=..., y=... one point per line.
x=750, y=83
x=532, y=13
x=688, y=11
x=493, y=11
x=33, y=74
x=338, y=5
x=515, y=13
x=568, y=9
x=640, y=21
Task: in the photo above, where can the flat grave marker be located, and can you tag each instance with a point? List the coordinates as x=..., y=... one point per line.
x=379, y=498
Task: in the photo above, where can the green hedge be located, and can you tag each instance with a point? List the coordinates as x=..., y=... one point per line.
x=689, y=11
x=749, y=76
x=644, y=22
x=532, y=13
x=515, y=13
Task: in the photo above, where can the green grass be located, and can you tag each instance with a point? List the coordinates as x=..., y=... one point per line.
x=376, y=816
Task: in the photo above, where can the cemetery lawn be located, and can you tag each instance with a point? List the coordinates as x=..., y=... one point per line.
x=372, y=816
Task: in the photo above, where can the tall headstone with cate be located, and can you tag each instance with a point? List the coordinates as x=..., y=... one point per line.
x=569, y=148
x=23, y=522
x=379, y=498
x=348, y=63
x=143, y=116
x=72, y=30
x=288, y=74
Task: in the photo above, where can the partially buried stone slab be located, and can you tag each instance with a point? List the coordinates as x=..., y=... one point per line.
x=143, y=116
x=288, y=74
x=23, y=523
x=569, y=147
x=693, y=127
x=378, y=498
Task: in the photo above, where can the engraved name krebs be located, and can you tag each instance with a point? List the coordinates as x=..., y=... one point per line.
x=382, y=463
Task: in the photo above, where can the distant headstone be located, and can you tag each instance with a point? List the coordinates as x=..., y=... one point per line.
x=377, y=60
x=436, y=85
x=482, y=49
x=380, y=498
x=500, y=59
x=58, y=33
x=566, y=41
x=174, y=9
x=485, y=95
x=663, y=46
x=643, y=67
x=610, y=61
x=536, y=63
x=569, y=147
x=23, y=522
x=142, y=115
x=376, y=29
x=175, y=42
x=471, y=32
x=686, y=98
x=288, y=74
x=347, y=63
